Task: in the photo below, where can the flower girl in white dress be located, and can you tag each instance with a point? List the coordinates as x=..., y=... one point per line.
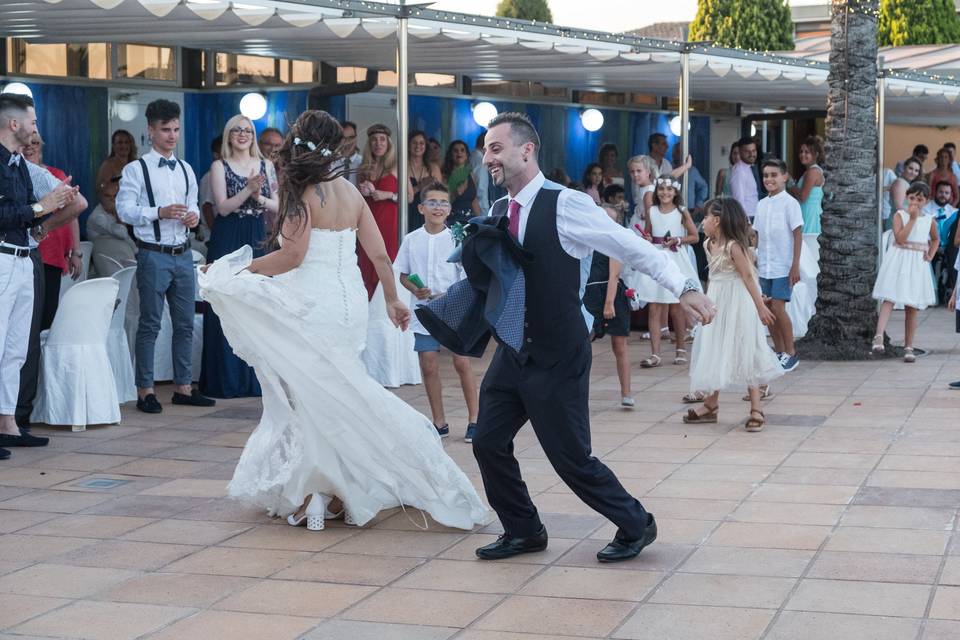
x=331, y=442
x=905, y=276
x=669, y=226
x=731, y=351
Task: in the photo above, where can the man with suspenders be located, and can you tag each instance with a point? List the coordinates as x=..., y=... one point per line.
x=158, y=198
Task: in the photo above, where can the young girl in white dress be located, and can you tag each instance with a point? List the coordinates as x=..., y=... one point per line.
x=670, y=226
x=905, y=276
x=731, y=351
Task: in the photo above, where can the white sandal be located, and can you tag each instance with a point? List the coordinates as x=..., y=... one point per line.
x=651, y=362
x=909, y=355
x=681, y=357
x=878, y=347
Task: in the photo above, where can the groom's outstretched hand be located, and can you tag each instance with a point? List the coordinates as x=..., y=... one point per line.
x=698, y=307
x=399, y=314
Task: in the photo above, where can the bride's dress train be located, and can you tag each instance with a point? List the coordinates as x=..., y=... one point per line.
x=327, y=427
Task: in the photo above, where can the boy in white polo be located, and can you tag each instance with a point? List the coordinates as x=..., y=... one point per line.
x=425, y=272
x=779, y=226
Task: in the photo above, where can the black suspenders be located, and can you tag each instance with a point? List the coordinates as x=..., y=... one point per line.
x=151, y=200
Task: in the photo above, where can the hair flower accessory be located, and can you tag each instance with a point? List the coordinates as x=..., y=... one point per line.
x=306, y=143
x=326, y=153
x=668, y=182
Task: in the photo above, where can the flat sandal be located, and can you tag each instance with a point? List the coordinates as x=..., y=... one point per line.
x=649, y=363
x=753, y=424
x=710, y=417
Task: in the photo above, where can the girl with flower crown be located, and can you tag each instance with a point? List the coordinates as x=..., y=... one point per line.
x=669, y=226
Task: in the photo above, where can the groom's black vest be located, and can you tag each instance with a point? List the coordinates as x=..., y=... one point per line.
x=553, y=324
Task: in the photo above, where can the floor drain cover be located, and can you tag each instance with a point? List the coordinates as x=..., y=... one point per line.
x=101, y=483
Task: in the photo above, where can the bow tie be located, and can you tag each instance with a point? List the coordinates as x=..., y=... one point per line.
x=172, y=164
x=14, y=160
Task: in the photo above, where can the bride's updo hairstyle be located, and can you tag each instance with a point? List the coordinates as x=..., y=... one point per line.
x=310, y=154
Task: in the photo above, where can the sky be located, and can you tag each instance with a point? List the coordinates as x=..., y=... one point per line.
x=604, y=15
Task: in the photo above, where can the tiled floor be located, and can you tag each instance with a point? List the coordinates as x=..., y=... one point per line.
x=839, y=520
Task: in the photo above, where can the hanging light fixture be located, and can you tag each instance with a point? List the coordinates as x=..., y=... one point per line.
x=591, y=119
x=18, y=88
x=253, y=105
x=483, y=113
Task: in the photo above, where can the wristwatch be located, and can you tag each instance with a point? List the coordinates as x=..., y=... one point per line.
x=37, y=209
x=690, y=285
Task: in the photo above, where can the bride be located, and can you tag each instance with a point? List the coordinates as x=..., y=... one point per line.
x=331, y=442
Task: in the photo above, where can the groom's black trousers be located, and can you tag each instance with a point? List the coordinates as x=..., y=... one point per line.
x=555, y=400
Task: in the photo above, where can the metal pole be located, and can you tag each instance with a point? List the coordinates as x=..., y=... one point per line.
x=881, y=117
x=402, y=124
x=685, y=119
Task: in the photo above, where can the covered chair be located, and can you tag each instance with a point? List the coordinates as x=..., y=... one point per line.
x=118, y=346
x=66, y=282
x=76, y=384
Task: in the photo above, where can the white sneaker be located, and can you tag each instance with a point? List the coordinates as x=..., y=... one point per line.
x=626, y=401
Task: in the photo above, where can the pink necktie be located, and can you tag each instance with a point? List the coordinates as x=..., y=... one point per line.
x=514, y=216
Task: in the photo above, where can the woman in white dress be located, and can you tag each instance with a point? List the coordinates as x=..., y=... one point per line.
x=905, y=275
x=331, y=442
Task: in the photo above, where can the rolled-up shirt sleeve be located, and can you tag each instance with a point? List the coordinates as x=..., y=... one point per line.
x=584, y=227
x=129, y=208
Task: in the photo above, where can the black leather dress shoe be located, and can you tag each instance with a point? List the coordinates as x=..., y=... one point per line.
x=193, y=400
x=149, y=404
x=508, y=546
x=619, y=550
x=24, y=440
x=954, y=385
x=4, y=454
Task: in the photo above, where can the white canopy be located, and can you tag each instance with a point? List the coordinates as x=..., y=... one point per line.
x=362, y=34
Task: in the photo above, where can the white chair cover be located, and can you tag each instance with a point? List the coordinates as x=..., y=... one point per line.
x=76, y=385
x=803, y=300
x=118, y=347
x=66, y=282
x=389, y=355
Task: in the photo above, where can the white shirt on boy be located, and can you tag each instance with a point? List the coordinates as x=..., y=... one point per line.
x=776, y=218
x=425, y=254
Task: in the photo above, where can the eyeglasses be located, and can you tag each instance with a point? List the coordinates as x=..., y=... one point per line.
x=437, y=204
x=241, y=131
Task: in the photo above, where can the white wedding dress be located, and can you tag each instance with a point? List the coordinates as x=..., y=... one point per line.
x=327, y=426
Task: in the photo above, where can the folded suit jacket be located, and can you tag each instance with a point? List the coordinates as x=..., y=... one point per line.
x=490, y=301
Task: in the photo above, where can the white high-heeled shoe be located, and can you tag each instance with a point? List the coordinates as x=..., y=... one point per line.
x=313, y=514
x=347, y=518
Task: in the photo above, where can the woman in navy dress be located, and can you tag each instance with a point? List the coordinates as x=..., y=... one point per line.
x=244, y=185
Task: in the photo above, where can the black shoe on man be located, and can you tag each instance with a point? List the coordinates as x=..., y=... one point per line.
x=149, y=404
x=22, y=440
x=509, y=546
x=193, y=400
x=619, y=549
x=4, y=454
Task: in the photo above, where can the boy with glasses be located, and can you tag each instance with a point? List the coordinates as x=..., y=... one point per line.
x=425, y=272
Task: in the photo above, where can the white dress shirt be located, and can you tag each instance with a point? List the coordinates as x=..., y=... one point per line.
x=43, y=183
x=583, y=228
x=425, y=254
x=743, y=187
x=777, y=217
x=134, y=208
x=351, y=166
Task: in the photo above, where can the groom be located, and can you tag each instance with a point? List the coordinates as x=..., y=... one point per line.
x=547, y=382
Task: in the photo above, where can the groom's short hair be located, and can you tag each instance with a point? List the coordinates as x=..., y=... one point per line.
x=521, y=128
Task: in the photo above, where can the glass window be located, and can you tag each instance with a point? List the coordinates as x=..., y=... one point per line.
x=434, y=80
x=145, y=62
x=302, y=71
x=79, y=60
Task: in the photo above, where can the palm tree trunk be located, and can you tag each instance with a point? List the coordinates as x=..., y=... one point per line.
x=846, y=314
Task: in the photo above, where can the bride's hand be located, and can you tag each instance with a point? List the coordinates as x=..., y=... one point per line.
x=204, y=267
x=399, y=314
